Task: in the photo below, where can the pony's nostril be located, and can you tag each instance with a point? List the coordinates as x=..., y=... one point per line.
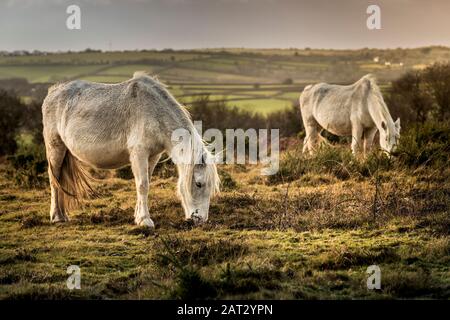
x=194, y=215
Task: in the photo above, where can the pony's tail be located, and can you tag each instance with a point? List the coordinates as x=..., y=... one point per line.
x=74, y=183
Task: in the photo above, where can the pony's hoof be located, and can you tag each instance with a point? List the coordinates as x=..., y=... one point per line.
x=146, y=222
x=195, y=220
x=59, y=219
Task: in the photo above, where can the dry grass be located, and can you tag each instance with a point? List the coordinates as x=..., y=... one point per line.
x=310, y=237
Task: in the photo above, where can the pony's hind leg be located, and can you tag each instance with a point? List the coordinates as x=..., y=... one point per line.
x=56, y=151
x=312, y=138
x=141, y=165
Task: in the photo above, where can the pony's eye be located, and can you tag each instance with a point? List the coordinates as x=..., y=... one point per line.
x=198, y=184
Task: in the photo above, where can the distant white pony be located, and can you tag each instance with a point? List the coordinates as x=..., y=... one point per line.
x=356, y=110
x=110, y=125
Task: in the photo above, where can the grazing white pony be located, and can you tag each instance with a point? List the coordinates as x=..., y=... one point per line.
x=356, y=110
x=108, y=126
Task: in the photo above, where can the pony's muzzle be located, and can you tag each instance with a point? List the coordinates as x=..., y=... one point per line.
x=197, y=218
x=394, y=153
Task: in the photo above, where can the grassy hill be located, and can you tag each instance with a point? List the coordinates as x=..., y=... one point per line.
x=263, y=80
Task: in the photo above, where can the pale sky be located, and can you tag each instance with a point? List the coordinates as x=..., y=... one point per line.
x=185, y=24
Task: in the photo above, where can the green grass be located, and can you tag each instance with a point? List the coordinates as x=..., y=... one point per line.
x=98, y=57
x=237, y=260
x=263, y=106
x=213, y=97
x=46, y=73
x=105, y=78
x=290, y=95
x=129, y=69
x=186, y=74
x=311, y=236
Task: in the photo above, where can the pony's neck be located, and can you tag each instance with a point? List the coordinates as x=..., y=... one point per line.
x=379, y=113
x=185, y=146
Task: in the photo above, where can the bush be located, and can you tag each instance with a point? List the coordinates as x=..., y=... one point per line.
x=428, y=144
x=422, y=95
x=11, y=114
x=28, y=170
x=336, y=161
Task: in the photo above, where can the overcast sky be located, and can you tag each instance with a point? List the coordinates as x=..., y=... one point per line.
x=184, y=24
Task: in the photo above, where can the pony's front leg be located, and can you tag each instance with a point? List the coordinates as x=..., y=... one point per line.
x=357, y=133
x=139, y=165
x=369, y=135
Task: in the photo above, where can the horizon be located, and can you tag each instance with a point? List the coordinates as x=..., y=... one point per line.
x=226, y=49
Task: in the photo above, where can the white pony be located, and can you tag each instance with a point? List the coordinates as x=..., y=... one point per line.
x=108, y=126
x=356, y=110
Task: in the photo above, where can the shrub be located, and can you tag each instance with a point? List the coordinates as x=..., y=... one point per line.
x=28, y=168
x=421, y=95
x=427, y=144
x=11, y=111
x=337, y=161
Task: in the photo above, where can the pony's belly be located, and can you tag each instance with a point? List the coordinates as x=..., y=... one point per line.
x=102, y=158
x=333, y=118
x=338, y=128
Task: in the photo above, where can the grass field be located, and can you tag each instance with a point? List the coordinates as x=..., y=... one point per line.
x=310, y=237
x=309, y=232
x=225, y=72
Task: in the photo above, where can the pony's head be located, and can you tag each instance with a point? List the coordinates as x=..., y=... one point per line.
x=389, y=136
x=195, y=188
x=198, y=178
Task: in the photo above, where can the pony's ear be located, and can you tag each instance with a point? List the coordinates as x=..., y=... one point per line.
x=383, y=125
x=205, y=159
x=397, y=124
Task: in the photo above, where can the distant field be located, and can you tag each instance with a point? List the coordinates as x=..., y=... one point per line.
x=263, y=80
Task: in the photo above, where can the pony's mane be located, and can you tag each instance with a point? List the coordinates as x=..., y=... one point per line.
x=371, y=79
x=146, y=75
x=195, y=153
x=162, y=88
